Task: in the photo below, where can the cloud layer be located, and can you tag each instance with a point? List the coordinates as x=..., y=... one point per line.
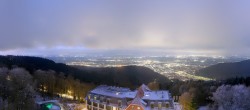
x=216, y=27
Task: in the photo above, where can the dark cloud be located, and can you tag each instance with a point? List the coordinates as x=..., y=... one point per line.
x=216, y=27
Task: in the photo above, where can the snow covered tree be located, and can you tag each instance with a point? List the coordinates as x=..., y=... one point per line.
x=21, y=89
x=229, y=97
x=4, y=82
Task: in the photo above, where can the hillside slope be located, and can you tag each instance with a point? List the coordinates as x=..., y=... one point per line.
x=128, y=76
x=125, y=75
x=226, y=70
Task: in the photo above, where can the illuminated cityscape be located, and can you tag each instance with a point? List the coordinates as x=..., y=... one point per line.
x=173, y=67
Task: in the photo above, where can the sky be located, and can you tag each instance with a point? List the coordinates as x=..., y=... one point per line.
x=162, y=27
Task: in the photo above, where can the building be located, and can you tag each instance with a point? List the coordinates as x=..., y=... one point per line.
x=117, y=98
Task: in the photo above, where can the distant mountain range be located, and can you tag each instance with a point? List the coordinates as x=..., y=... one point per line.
x=128, y=76
x=226, y=70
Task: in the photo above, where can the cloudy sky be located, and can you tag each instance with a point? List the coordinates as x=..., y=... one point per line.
x=66, y=27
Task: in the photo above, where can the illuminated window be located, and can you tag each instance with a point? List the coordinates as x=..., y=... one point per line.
x=108, y=107
x=95, y=97
x=159, y=105
x=167, y=105
x=152, y=105
x=138, y=108
x=89, y=107
x=89, y=96
x=114, y=108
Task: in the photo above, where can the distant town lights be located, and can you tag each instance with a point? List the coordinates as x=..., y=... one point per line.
x=117, y=93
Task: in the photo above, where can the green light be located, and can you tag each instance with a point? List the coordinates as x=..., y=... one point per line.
x=49, y=106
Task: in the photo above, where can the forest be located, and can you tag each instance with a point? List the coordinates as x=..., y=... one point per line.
x=19, y=88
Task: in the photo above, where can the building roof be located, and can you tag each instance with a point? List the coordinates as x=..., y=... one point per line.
x=120, y=92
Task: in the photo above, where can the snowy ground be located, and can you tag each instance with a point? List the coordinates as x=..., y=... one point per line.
x=177, y=106
x=64, y=105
